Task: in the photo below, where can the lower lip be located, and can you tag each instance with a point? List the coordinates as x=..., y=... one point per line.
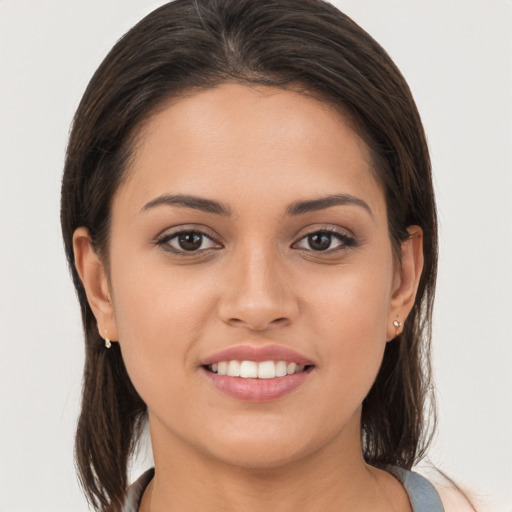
x=257, y=390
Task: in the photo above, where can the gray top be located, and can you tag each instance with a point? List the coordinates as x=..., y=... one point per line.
x=422, y=494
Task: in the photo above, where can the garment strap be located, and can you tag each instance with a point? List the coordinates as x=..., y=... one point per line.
x=422, y=494
x=136, y=491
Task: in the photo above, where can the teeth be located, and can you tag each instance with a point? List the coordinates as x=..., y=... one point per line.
x=248, y=370
x=267, y=370
x=253, y=370
x=280, y=368
x=233, y=369
x=290, y=368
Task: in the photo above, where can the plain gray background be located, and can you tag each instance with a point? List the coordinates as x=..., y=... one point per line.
x=456, y=55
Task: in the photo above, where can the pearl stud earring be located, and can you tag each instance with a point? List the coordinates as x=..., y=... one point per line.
x=397, y=325
x=108, y=343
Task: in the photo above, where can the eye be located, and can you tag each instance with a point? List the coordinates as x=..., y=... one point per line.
x=187, y=241
x=325, y=241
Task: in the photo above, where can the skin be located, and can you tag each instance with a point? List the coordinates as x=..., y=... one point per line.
x=258, y=281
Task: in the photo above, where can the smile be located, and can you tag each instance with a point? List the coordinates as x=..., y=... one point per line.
x=256, y=370
x=257, y=373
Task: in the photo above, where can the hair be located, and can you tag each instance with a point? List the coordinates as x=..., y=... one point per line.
x=304, y=45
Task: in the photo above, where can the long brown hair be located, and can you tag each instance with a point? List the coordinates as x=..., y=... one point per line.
x=306, y=45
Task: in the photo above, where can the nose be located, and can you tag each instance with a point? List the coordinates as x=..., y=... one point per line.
x=257, y=292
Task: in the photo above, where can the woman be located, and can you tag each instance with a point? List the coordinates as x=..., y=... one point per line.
x=248, y=214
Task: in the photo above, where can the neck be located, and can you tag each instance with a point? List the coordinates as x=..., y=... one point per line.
x=334, y=477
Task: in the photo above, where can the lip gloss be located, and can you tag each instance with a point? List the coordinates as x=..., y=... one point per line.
x=257, y=389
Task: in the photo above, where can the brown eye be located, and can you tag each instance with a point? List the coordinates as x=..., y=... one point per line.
x=189, y=241
x=320, y=241
x=325, y=241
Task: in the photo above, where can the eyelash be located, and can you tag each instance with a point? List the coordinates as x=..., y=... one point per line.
x=345, y=241
x=165, y=241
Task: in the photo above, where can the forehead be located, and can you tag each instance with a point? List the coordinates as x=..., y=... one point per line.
x=253, y=139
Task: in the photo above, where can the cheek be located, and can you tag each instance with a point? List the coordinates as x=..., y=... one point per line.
x=353, y=303
x=350, y=315
x=160, y=314
x=153, y=303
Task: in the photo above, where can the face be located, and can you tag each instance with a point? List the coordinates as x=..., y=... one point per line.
x=251, y=229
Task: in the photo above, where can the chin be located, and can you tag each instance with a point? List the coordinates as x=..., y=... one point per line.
x=265, y=450
x=255, y=458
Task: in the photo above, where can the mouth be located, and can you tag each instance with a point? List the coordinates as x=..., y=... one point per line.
x=257, y=373
x=247, y=369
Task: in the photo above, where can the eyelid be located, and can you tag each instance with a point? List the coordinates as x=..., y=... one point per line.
x=330, y=228
x=180, y=228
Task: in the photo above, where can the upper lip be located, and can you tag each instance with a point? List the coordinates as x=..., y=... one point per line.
x=257, y=354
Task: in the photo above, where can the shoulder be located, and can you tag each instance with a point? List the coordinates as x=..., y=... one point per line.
x=423, y=496
x=454, y=496
x=453, y=500
x=437, y=492
x=136, y=490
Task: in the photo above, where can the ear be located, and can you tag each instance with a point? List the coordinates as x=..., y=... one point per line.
x=91, y=271
x=407, y=278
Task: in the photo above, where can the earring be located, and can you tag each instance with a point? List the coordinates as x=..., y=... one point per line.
x=108, y=343
x=397, y=325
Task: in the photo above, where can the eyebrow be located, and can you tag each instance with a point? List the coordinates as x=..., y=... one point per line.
x=188, y=201
x=313, y=205
x=296, y=208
